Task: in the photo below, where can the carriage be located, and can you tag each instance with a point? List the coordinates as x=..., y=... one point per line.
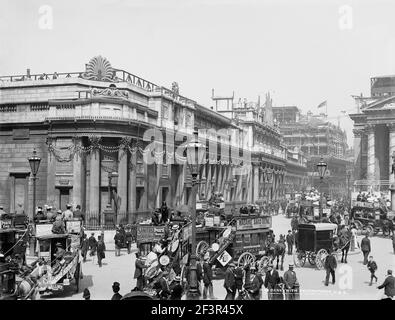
x=314, y=242
x=371, y=217
x=13, y=286
x=69, y=269
x=309, y=211
x=242, y=240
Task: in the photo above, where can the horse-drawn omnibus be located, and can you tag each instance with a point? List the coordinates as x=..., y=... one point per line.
x=314, y=242
x=243, y=240
x=371, y=217
x=309, y=211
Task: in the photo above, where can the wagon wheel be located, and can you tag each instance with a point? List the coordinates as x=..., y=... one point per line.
x=77, y=277
x=183, y=277
x=245, y=258
x=201, y=248
x=312, y=258
x=299, y=258
x=320, y=258
x=262, y=264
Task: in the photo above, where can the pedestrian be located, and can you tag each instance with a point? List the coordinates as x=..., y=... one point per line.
x=365, y=248
x=330, y=267
x=50, y=215
x=84, y=247
x=253, y=285
x=86, y=295
x=128, y=237
x=115, y=288
x=207, y=279
x=40, y=215
x=165, y=212
x=68, y=214
x=290, y=282
x=238, y=272
x=393, y=242
x=229, y=282
x=272, y=283
x=290, y=241
x=176, y=289
x=372, y=266
x=101, y=249
x=388, y=285
x=58, y=225
x=118, y=243
x=138, y=272
x=78, y=214
x=92, y=242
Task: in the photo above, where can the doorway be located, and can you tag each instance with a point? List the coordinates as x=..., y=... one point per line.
x=64, y=198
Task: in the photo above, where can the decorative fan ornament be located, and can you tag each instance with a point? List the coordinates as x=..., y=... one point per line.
x=99, y=69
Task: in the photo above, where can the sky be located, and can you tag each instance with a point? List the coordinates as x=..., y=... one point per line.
x=301, y=51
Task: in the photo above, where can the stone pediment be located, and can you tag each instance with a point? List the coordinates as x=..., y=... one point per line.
x=383, y=103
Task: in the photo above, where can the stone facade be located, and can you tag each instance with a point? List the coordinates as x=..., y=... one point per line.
x=84, y=126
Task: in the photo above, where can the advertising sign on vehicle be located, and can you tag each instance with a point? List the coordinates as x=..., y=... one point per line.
x=244, y=223
x=149, y=233
x=43, y=229
x=224, y=258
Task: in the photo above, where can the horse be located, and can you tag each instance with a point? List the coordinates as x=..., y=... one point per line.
x=279, y=251
x=344, y=241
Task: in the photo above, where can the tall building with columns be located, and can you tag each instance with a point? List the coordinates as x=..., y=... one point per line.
x=374, y=135
x=86, y=125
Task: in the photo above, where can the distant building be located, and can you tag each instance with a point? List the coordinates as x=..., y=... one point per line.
x=374, y=135
x=316, y=137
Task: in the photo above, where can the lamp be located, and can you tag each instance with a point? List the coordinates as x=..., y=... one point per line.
x=34, y=162
x=321, y=168
x=196, y=155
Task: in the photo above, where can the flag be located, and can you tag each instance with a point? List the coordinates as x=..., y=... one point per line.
x=322, y=104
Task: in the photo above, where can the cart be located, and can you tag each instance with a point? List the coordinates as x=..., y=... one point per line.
x=243, y=240
x=370, y=217
x=314, y=243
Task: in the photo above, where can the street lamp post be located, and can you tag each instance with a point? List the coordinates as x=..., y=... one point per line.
x=34, y=162
x=321, y=168
x=348, y=175
x=196, y=154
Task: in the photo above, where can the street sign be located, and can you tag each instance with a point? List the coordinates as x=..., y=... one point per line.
x=224, y=258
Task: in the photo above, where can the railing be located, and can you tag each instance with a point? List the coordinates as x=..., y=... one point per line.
x=98, y=221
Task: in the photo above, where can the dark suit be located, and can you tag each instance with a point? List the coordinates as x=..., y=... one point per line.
x=330, y=267
x=138, y=274
x=116, y=296
x=207, y=280
x=272, y=281
x=290, y=281
x=389, y=286
x=230, y=284
x=290, y=242
x=365, y=248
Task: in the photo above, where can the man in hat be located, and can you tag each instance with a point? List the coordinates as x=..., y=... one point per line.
x=50, y=214
x=272, y=281
x=330, y=267
x=138, y=272
x=176, y=289
x=388, y=285
x=290, y=282
x=115, y=288
x=92, y=243
x=86, y=295
x=2, y=212
x=118, y=242
x=253, y=284
x=229, y=282
x=128, y=237
x=40, y=215
x=101, y=249
x=365, y=248
x=58, y=225
x=84, y=247
x=207, y=278
x=77, y=214
x=68, y=214
x=290, y=241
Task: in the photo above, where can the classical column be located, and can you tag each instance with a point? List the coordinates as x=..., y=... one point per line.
x=391, y=149
x=122, y=187
x=219, y=180
x=357, y=153
x=132, y=183
x=256, y=183
x=94, y=180
x=371, y=153
x=77, y=177
x=51, y=192
x=208, y=181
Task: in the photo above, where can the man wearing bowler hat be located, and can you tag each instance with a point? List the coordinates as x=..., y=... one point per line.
x=272, y=281
x=229, y=282
x=290, y=282
x=115, y=288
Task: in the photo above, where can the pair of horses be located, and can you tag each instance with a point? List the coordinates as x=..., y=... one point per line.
x=276, y=251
